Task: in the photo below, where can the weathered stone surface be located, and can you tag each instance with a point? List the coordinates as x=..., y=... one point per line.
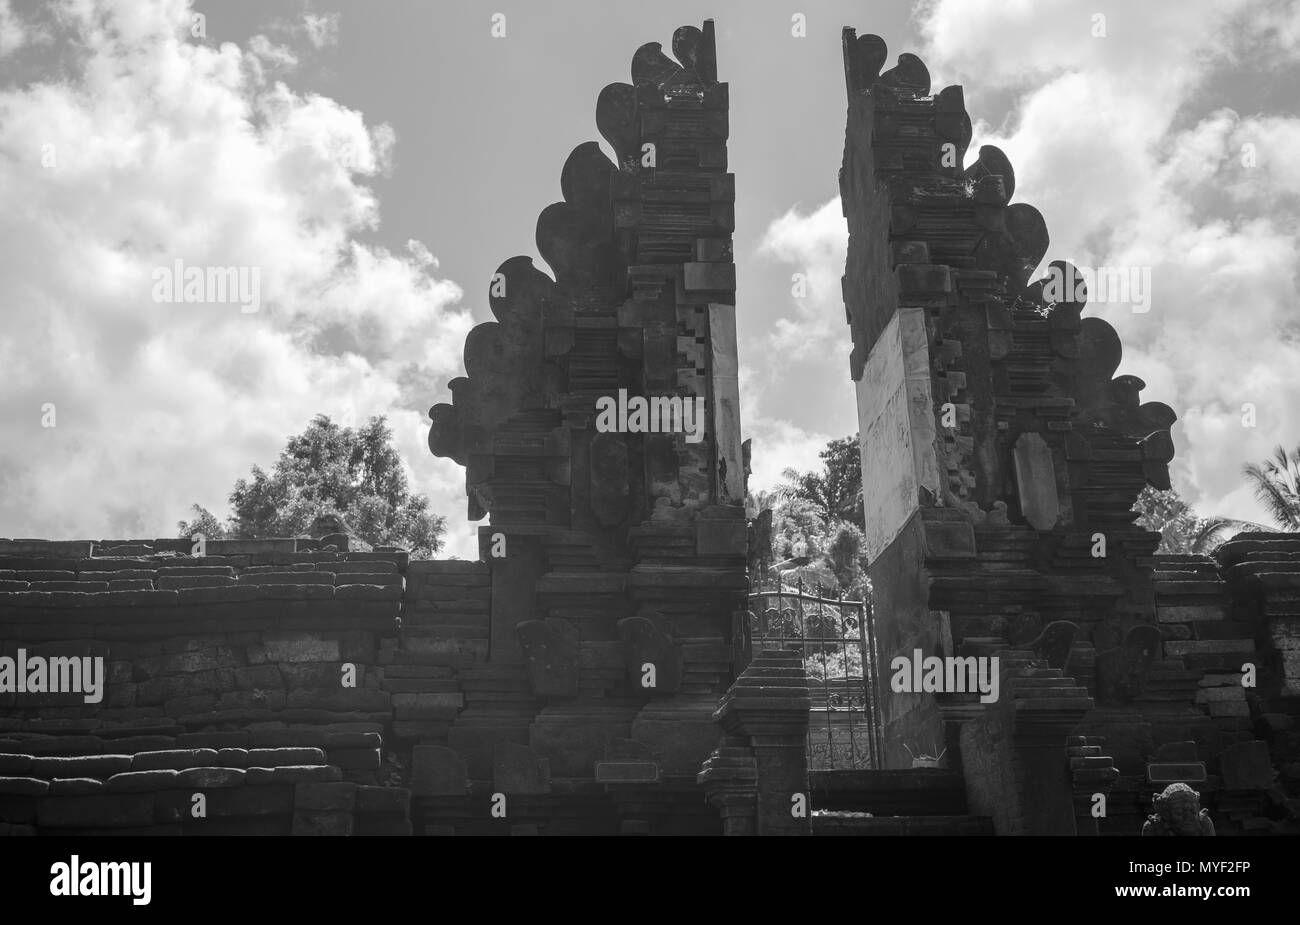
x=118, y=810
x=356, y=759
x=437, y=771
x=1036, y=481
x=627, y=772
x=315, y=797
x=139, y=781
x=1247, y=766
x=1190, y=613
x=647, y=644
x=551, y=650
x=675, y=731
x=316, y=674
x=232, y=757
x=256, y=677
x=382, y=825
x=305, y=823
x=130, y=584
x=251, y=801
x=383, y=801
x=15, y=765
x=1122, y=672
x=75, y=786
x=427, y=706
x=1166, y=772
x=206, y=778
x=341, y=700
x=280, y=757
x=356, y=646
x=291, y=774
x=1054, y=643
x=279, y=735
x=23, y=786
x=420, y=729
x=516, y=770
x=1180, y=648
x=949, y=539
x=178, y=582
x=174, y=759
x=102, y=766
x=297, y=647
x=336, y=737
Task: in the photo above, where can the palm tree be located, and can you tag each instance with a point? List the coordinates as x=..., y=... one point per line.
x=806, y=486
x=1183, y=531
x=1211, y=533
x=1277, y=486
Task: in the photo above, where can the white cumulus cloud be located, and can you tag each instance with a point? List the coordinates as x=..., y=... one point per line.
x=144, y=147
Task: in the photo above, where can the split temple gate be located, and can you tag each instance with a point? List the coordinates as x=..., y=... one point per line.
x=593, y=672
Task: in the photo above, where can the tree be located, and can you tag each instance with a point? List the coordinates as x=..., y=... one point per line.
x=353, y=474
x=836, y=491
x=1183, y=531
x=795, y=521
x=204, y=522
x=1277, y=486
x=845, y=552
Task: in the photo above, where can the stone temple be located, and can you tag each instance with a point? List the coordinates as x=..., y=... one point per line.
x=596, y=671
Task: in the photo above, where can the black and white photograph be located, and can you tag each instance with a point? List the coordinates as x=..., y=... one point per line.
x=661, y=418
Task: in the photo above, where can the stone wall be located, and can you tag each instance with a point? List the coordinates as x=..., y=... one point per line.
x=255, y=675
x=229, y=674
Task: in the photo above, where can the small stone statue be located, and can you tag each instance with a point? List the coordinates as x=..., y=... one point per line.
x=1178, y=812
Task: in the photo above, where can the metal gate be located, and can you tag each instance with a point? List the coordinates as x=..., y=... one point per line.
x=837, y=640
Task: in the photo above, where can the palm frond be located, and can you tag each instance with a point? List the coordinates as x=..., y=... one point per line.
x=1213, y=532
x=1274, y=487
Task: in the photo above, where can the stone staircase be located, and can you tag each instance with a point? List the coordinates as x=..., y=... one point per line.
x=918, y=801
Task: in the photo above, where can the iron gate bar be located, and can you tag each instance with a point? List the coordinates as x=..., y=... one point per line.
x=840, y=691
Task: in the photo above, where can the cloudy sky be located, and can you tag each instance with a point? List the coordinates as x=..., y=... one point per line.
x=379, y=159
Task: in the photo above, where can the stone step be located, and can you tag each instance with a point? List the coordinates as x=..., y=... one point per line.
x=1084, y=751
x=914, y=791
x=1021, y=683
x=1080, y=703
x=1048, y=693
x=1037, y=673
x=1190, y=647
x=1091, y=761
x=849, y=823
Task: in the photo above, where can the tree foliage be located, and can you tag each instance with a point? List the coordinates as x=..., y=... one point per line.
x=354, y=474
x=1276, y=483
x=1183, y=531
x=836, y=491
x=204, y=522
x=817, y=522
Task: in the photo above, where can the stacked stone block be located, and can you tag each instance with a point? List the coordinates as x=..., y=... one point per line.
x=616, y=560
x=228, y=670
